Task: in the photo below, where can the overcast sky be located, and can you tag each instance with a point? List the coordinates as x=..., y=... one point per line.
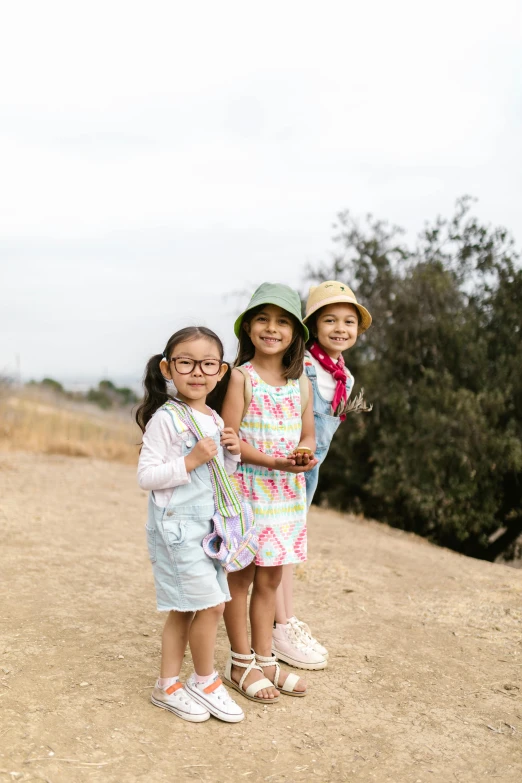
x=155, y=156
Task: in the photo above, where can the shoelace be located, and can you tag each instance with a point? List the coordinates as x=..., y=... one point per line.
x=182, y=695
x=296, y=638
x=303, y=631
x=223, y=695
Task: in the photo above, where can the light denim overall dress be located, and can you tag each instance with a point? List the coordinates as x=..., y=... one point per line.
x=186, y=579
x=325, y=428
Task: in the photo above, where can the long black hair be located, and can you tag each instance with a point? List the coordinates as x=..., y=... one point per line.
x=155, y=384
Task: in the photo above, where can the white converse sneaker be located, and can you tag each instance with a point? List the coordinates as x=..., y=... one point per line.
x=304, y=630
x=176, y=699
x=213, y=695
x=288, y=645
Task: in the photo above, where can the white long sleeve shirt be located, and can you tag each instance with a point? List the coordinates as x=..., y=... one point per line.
x=161, y=465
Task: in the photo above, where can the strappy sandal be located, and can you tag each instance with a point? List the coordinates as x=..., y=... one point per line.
x=250, y=691
x=291, y=681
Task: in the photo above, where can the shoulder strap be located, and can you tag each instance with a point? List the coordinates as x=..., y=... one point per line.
x=248, y=388
x=225, y=495
x=179, y=425
x=304, y=388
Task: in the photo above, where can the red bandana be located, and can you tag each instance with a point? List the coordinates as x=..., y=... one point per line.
x=337, y=369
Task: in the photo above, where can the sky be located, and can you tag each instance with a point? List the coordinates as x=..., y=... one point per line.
x=159, y=160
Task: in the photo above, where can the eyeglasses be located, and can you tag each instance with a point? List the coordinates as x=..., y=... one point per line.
x=184, y=365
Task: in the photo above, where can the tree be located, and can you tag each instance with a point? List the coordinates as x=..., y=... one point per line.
x=441, y=452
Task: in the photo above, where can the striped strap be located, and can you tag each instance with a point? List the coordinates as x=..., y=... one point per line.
x=225, y=496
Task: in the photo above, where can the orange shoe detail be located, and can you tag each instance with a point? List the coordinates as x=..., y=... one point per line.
x=170, y=690
x=213, y=687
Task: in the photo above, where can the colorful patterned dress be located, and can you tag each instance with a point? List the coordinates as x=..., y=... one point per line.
x=272, y=424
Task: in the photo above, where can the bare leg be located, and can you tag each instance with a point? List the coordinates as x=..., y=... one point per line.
x=237, y=630
x=262, y=607
x=285, y=596
x=202, y=638
x=262, y=612
x=174, y=642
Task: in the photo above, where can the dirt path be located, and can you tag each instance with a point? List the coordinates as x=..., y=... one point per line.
x=425, y=647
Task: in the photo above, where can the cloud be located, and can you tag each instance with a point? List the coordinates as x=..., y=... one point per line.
x=155, y=158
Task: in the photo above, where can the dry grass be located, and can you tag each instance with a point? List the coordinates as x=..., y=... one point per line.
x=49, y=424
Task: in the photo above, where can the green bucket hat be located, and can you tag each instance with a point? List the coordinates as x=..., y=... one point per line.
x=276, y=294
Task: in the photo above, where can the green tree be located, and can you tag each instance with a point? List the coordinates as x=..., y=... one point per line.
x=441, y=452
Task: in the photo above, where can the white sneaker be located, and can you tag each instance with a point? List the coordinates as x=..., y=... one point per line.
x=288, y=645
x=213, y=695
x=176, y=699
x=304, y=630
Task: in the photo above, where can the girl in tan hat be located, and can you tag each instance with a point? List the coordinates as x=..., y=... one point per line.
x=335, y=319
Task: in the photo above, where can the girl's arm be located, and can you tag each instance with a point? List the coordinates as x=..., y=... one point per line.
x=161, y=464
x=231, y=447
x=233, y=413
x=307, y=460
x=308, y=426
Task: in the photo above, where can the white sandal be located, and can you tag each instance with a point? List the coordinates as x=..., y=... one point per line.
x=250, y=691
x=291, y=679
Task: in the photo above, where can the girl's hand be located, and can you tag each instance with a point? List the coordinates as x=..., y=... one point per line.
x=303, y=468
x=284, y=463
x=302, y=458
x=202, y=452
x=230, y=440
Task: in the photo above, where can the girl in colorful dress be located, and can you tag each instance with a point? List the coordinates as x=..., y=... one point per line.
x=190, y=586
x=276, y=433
x=335, y=319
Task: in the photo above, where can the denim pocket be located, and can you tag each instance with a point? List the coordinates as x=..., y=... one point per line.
x=174, y=531
x=151, y=542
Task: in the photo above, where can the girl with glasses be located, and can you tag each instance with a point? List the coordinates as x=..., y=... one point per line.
x=190, y=586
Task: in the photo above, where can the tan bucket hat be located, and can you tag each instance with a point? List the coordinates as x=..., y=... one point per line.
x=331, y=292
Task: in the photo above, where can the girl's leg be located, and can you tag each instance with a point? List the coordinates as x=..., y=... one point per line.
x=285, y=596
x=174, y=642
x=262, y=613
x=237, y=630
x=202, y=639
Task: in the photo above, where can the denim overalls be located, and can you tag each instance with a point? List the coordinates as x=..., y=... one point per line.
x=325, y=428
x=186, y=579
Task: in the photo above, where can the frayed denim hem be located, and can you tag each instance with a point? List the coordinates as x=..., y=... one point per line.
x=199, y=609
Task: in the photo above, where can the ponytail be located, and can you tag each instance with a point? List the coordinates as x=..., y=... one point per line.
x=155, y=391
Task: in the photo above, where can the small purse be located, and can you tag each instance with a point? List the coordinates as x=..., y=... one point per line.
x=234, y=541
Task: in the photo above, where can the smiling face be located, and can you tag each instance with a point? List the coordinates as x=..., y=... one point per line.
x=336, y=327
x=189, y=365
x=271, y=330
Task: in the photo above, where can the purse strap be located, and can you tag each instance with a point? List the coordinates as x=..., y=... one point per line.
x=225, y=496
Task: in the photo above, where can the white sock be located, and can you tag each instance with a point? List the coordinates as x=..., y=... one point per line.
x=166, y=682
x=205, y=678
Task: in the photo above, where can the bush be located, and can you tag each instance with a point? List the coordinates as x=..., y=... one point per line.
x=441, y=452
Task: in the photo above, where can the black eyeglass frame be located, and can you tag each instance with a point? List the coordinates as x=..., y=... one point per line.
x=195, y=362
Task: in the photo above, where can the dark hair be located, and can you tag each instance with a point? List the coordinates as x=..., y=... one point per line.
x=294, y=356
x=312, y=324
x=153, y=381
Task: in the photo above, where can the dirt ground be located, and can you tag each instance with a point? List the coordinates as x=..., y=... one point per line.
x=423, y=684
